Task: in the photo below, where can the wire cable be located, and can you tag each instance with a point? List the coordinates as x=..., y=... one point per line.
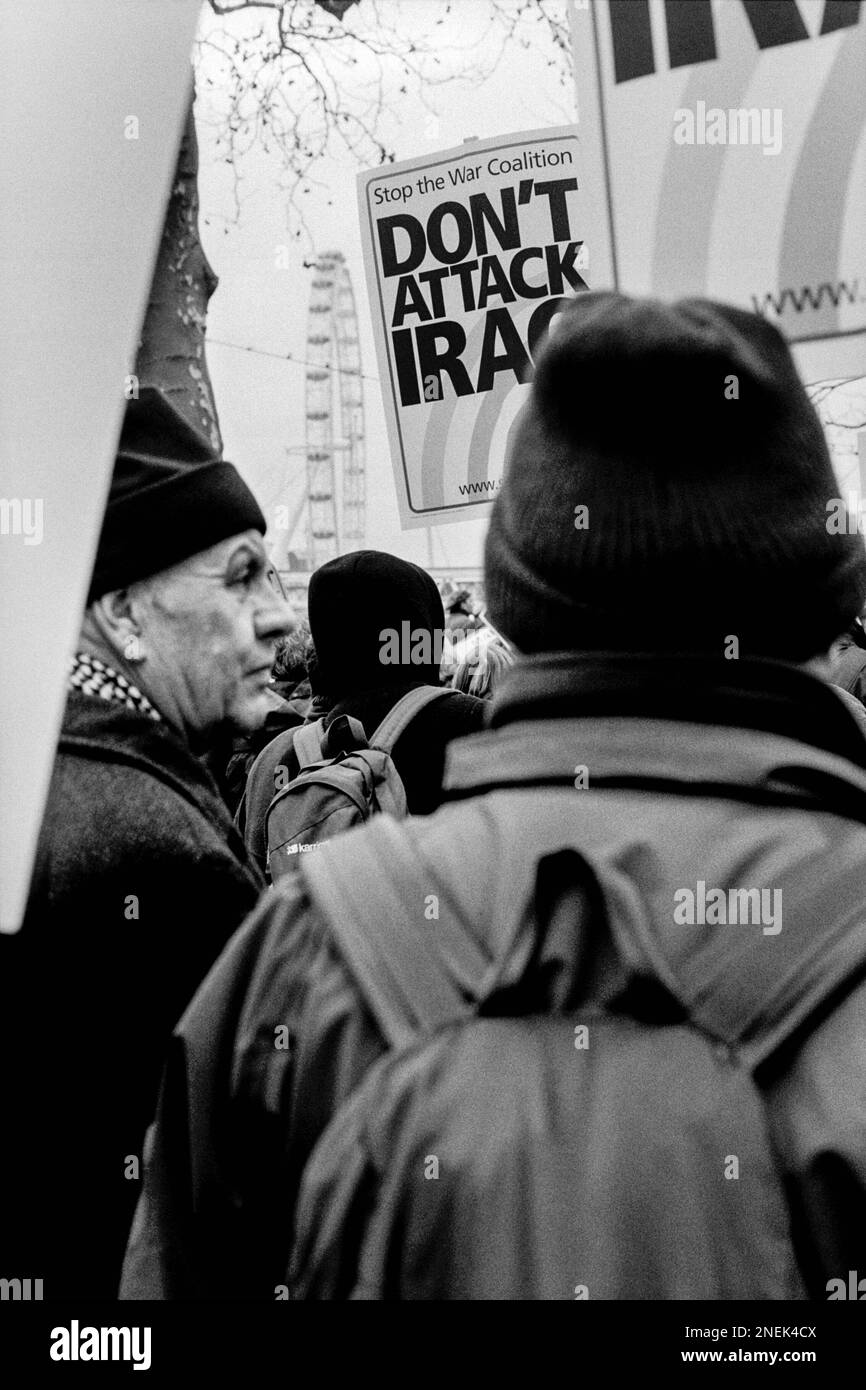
x=286, y=357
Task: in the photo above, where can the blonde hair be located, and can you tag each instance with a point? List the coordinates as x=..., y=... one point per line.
x=481, y=665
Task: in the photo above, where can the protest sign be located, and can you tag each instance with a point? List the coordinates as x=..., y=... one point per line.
x=93, y=105
x=469, y=255
x=730, y=140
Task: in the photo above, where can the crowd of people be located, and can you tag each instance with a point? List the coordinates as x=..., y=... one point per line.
x=519, y=1027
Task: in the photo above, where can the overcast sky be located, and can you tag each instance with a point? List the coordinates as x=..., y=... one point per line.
x=261, y=399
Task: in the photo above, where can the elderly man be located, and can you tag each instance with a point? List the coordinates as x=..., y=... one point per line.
x=140, y=876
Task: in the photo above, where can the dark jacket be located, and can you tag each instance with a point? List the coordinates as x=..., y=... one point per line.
x=419, y=753
x=696, y=770
x=140, y=880
x=230, y=761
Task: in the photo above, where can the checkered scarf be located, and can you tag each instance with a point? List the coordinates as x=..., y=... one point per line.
x=94, y=677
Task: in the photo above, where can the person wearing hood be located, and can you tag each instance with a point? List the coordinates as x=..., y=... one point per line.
x=377, y=626
x=667, y=576
x=140, y=877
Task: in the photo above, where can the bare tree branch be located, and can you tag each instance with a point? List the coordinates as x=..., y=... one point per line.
x=310, y=79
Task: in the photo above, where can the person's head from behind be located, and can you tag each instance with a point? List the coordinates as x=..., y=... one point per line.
x=666, y=490
x=375, y=621
x=180, y=601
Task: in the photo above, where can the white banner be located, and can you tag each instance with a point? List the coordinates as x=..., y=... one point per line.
x=469, y=254
x=93, y=99
x=730, y=139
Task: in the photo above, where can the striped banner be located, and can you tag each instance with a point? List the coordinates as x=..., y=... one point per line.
x=729, y=137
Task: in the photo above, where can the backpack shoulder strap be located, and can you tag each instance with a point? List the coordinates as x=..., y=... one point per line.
x=757, y=991
x=259, y=787
x=415, y=974
x=752, y=991
x=401, y=715
x=307, y=743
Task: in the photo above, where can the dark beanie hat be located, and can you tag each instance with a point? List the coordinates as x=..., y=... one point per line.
x=685, y=432
x=354, y=599
x=170, y=497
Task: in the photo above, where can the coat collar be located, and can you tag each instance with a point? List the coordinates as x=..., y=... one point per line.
x=650, y=722
x=765, y=696
x=107, y=732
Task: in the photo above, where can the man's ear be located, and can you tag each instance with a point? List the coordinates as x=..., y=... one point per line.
x=113, y=617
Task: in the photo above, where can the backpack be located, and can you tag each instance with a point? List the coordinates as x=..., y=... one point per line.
x=496, y=1152
x=343, y=780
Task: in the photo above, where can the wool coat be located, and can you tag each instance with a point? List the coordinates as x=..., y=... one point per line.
x=140, y=880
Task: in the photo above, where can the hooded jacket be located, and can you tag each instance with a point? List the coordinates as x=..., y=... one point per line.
x=140, y=880
x=697, y=770
x=354, y=602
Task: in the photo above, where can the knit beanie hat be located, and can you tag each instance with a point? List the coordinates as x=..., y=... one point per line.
x=169, y=498
x=356, y=598
x=666, y=488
